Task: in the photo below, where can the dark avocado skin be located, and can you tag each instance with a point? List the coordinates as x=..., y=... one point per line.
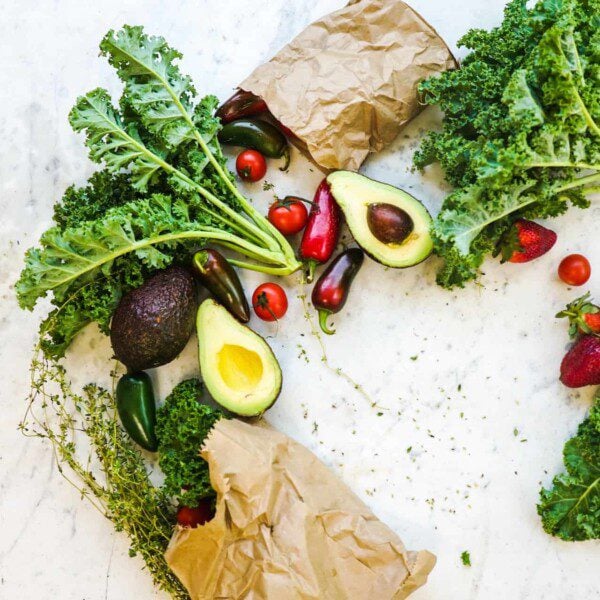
x=153, y=323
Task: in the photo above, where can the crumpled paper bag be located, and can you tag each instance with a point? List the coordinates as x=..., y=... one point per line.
x=348, y=83
x=287, y=529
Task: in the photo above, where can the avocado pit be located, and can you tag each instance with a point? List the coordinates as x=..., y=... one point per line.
x=388, y=223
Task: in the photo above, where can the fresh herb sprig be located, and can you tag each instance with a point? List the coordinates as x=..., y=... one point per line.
x=97, y=457
x=182, y=426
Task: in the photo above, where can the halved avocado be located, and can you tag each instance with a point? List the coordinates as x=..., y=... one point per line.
x=390, y=225
x=239, y=368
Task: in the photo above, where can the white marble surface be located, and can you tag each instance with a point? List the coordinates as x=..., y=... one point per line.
x=467, y=484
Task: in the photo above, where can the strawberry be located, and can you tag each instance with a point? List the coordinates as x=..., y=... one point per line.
x=583, y=315
x=526, y=241
x=581, y=364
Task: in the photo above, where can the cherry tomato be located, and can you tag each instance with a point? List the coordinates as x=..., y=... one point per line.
x=192, y=517
x=289, y=215
x=574, y=269
x=251, y=165
x=269, y=301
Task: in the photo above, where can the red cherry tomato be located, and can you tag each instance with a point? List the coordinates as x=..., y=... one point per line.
x=251, y=165
x=289, y=215
x=574, y=269
x=192, y=517
x=269, y=301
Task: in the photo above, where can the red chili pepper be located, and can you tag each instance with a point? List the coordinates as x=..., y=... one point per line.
x=331, y=290
x=241, y=104
x=322, y=230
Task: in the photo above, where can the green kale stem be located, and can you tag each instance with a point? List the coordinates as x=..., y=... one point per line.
x=274, y=239
x=581, y=181
x=143, y=150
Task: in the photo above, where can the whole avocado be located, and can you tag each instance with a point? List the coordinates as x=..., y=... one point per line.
x=153, y=323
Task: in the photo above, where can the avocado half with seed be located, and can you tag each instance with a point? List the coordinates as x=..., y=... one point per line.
x=238, y=367
x=390, y=225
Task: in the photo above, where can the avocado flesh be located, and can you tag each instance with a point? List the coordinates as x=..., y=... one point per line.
x=239, y=368
x=354, y=193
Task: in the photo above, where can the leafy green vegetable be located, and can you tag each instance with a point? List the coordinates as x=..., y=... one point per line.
x=571, y=508
x=122, y=227
x=521, y=134
x=465, y=557
x=183, y=423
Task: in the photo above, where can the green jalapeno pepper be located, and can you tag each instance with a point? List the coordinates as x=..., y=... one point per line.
x=258, y=135
x=137, y=409
x=221, y=280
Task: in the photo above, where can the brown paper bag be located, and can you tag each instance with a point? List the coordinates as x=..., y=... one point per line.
x=348, y=83
x=287, y=529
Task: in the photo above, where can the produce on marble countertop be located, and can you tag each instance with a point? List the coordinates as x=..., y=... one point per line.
x=581, y=364
x=583, y=315
x=322, y=230
x=251, y=165
x=182, y=424
x=389, y=224
x=152, y=323
x=256, y=134
x=331, y=290
x=521, y=129
x=575, y=269
x=182, y=194
x=269, y=301
x=241, y=104
x=570, y=509
x=238, y=367
x=216, y=274
x=525, y=241
x=137, y=409
x=289, y=214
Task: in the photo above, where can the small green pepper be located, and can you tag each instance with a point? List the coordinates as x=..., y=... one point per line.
x=137, y=409
x=258, y=135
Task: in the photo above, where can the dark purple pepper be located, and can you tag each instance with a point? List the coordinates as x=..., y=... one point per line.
x=331, y=290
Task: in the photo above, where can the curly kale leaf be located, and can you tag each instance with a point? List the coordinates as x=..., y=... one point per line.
x=103, y=192
x=182, y=425
x=70, y=259
x=521, y=137
x=571, y=508
x=155, y=87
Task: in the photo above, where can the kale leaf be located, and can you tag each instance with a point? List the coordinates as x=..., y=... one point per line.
x=571, y=508
x=182, y=424
x=165, y=189
x=521, y=133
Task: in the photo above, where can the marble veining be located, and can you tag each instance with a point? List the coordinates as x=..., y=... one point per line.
x=453, y=374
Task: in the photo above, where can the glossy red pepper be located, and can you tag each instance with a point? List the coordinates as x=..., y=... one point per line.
x=331, y=290
x=322, y=230
x=241, y=104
